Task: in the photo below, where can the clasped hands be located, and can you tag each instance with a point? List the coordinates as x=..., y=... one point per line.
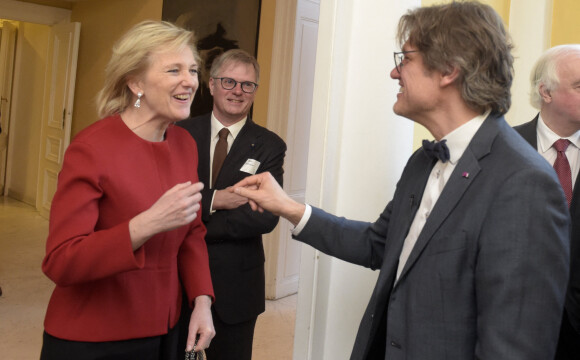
x=264, y=193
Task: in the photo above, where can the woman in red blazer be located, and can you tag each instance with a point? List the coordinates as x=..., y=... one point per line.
x=125, y=223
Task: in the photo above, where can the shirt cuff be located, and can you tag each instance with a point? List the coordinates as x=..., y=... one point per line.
x=211, y=210
x=307, y=212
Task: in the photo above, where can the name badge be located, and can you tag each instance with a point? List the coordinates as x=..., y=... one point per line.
x=251, y=166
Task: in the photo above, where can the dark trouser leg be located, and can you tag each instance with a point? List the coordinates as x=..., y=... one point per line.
x=232, y=341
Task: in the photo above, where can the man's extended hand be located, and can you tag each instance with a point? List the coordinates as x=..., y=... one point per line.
x=264, y=193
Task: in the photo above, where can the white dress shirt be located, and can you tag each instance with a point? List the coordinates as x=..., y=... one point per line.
x=216, y=126
x=546, y=138
x=457, y=142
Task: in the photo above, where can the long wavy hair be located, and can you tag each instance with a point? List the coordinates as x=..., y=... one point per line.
x=471, y=37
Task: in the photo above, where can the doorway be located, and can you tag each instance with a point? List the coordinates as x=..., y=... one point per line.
x=23, y=134
x=7, y=54
x=33, y=97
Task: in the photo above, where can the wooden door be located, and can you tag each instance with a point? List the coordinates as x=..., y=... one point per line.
x=7, y=47
x=58, y=109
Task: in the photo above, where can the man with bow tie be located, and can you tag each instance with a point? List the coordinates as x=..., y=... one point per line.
x=555, y=133
x=473, y=249
x=231, y=146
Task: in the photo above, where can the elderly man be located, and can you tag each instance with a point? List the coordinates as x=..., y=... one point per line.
x=555, y=133
x=465, y=268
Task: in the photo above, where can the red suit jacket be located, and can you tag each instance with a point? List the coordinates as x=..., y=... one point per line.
x=105, y=291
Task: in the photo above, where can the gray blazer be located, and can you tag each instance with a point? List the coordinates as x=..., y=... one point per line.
x=481, y=282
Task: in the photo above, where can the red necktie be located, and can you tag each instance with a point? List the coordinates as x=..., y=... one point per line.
x=562, y=167
x=219, y=155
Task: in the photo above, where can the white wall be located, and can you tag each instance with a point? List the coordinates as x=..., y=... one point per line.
x=358, y=148
x=530, y=25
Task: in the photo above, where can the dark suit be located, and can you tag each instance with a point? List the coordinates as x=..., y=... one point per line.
x=481, y=281
x=569, y=342
x=234, y=237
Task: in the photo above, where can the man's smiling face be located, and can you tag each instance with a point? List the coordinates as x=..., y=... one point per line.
x=231, y=106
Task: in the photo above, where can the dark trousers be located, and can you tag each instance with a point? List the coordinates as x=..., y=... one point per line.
x=569, y=341
x=163, y=347
x=231, y=342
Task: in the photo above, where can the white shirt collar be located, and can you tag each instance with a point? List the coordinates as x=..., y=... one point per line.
x=459, y=139
x=546, y=137
x=234, y=129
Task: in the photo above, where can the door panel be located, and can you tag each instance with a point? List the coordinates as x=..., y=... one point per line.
x=58, y=109
x=7, y=48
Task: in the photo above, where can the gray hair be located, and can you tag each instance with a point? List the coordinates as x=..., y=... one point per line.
x=545, y=71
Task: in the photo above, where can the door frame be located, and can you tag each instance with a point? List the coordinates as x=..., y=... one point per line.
x=29, y=13
x=7, y=57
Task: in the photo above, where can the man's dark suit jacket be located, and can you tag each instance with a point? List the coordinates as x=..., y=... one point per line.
x=481, y=282
x=569, y=343
x=234, y=237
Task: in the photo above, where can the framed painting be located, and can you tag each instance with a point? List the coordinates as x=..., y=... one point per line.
x=219, y=25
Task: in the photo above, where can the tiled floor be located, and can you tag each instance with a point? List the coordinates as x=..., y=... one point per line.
x=26, y=292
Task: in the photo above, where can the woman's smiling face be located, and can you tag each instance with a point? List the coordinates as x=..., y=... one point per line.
x=169, y=84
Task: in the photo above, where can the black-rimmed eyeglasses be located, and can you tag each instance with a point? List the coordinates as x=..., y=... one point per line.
x=400, y=58
x=229, y=83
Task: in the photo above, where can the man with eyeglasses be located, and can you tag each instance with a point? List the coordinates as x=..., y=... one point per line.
x=231, y=146
x=473, y=249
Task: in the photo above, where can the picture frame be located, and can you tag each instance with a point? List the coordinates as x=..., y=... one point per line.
x=219, y=25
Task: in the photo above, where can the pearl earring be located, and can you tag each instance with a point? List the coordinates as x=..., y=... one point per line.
x=138, y=102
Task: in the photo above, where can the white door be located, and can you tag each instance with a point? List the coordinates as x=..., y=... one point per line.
x=7, y=47
x=58, y=108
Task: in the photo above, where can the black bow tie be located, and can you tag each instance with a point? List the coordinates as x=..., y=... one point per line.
x=436, y=150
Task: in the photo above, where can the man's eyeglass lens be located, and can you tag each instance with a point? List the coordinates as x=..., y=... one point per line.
x=399, y=57
x=229, y=83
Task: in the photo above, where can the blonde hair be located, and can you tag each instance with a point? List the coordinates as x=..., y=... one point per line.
x=131, y=57
x=234, y=56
